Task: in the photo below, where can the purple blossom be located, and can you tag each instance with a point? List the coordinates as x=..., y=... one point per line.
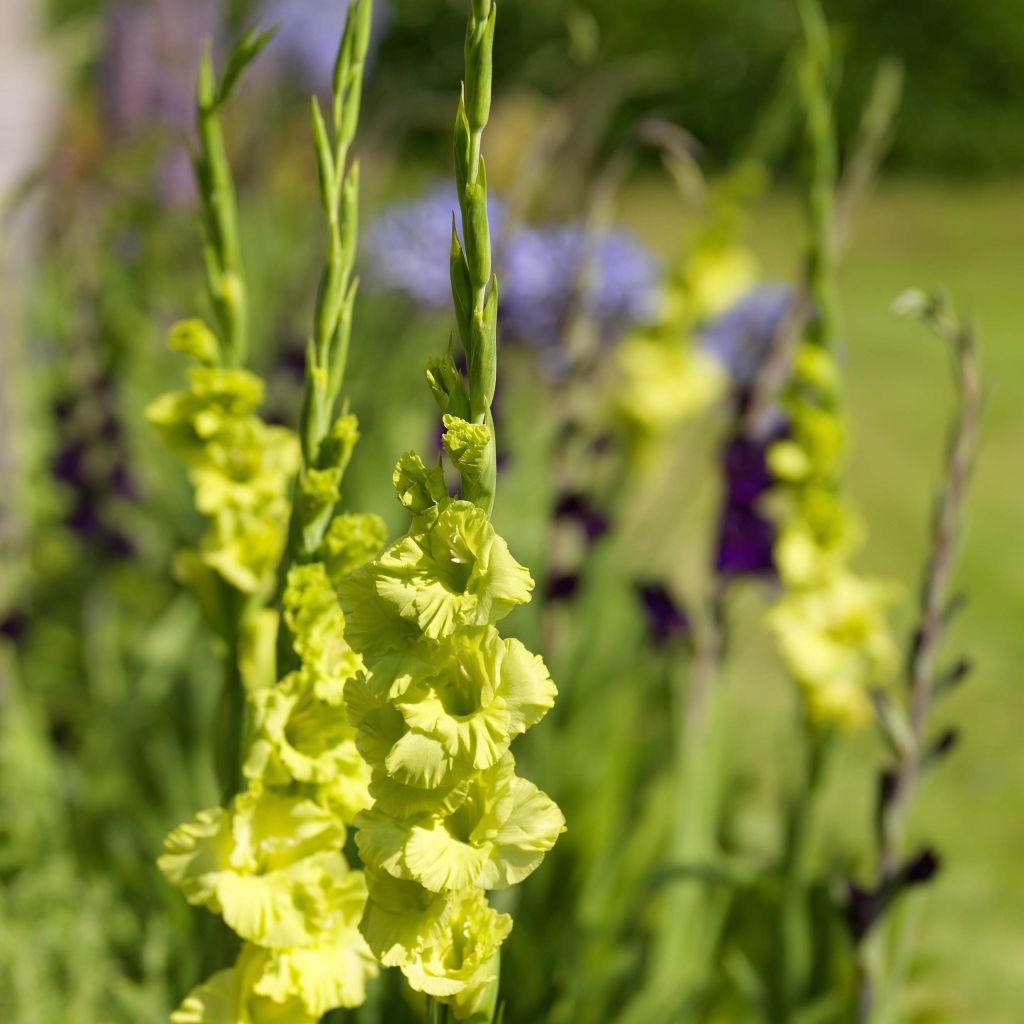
x=740, y=337
x=746, y=471
x=578, y=508
x=562, y=586
x=740, y=340
x=746, y=542
x=667, y=620
x=92, y=465
x=746, y=538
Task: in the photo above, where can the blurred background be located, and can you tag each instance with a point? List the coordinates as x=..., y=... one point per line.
x=107, y=680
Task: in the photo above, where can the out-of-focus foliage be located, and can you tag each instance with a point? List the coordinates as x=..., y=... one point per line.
x=711, y=65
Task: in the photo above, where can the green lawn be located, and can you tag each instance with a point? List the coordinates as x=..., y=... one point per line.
x=968, y=240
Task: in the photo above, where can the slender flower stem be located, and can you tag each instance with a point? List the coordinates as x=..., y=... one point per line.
x=225, y=275
x=339, y=195
x=689, y=926
x=795, y=939
x=814, y=317
x=229, y=294
x=859, y=174
x=922, y=669
x=327, y=350
x=437, y=1012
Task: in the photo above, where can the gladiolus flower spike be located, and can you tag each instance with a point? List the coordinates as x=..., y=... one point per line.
x=443, y=694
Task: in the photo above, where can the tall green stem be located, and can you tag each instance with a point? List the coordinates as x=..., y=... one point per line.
x=328, y=346
x=795, y=939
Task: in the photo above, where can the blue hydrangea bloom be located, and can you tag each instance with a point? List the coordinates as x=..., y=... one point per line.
x=540, y=269
x=545, y=270
x=406, y=248
x=740, y=337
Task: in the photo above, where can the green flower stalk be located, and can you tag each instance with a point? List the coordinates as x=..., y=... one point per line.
x=830, y=624
x=269, y=861
x=241, y=469
x=443, y=695
x=222, y=251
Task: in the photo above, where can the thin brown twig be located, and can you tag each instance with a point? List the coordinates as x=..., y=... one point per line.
x=896, y=801
x=935, y=594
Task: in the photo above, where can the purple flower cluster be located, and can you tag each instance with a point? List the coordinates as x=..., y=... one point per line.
x=746, y=538
x=667, y=620
x=544, y=271
x=741, y=339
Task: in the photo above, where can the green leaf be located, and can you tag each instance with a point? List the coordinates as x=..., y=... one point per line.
x=462, y=288
x=477, y=230
x=241, y=57
x=324, y=159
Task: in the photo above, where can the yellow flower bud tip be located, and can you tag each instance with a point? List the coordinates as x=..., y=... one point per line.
x=195, y=339
x=817, y=367
x=716, y=276
x=240, y=467
x=788, y=461
x=352, y=540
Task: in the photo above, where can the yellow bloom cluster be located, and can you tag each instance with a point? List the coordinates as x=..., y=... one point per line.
x=441, y=699
x=240, y=467
x=270, y=863
x=664, y=379
x=831, y=624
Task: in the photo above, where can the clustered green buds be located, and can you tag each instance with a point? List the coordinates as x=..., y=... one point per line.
x=474, y=287
x=327, y=350
x=241, y=469
x=442, y=699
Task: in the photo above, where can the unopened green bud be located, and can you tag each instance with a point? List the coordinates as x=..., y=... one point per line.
x=477, y=232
